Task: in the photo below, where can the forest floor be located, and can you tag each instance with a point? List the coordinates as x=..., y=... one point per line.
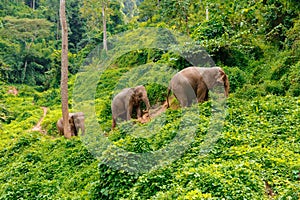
x=160, y=108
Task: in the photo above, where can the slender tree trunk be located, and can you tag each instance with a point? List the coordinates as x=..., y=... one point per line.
x=206, y=13
x=33, y=4
x=27, y=48
x=104, y=27
x=24, y=72
x=64, y=70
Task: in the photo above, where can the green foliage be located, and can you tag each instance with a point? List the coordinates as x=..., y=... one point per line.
x=113, y=184
x=156, y=93
x=174, y=60
x=240, y=162
x=32, y=168
x=48, y=98
x=237, y=78
x=49, y=122
x=257, y=44
x=292, y=80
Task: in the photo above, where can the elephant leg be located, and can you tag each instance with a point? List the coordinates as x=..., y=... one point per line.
x=180, y=95
x=138, y=111
x=184, y=103
x=202, y=96
x=72, y=126
x=113, y=122
x=202, y=92
x=60, y=127
x=185, y=94
x=187, y=98
x=129, y=112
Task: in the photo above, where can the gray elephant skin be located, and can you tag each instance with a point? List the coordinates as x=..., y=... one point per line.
x=193, y=83
x=76, y=121
x=127, y=100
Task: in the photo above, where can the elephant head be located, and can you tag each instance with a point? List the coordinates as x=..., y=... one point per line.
x=193, y=83
x=224, y=79
x=60, y=126
x=76, y=122
x=127, y=100
x=140, y=94
x=214, y=76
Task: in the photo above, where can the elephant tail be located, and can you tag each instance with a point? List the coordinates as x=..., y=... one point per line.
x=168, y=93
x=113, y=123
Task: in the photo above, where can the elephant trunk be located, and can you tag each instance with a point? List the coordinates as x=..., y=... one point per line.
x=226, y=86
x=146, y=101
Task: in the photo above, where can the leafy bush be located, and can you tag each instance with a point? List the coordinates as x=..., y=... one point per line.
x=49, y=122
x=156, y=93
x=274, y=87
x=237, y=78
x=282, y=69
x=48, y=98
x=292, y=80
x=250, y=91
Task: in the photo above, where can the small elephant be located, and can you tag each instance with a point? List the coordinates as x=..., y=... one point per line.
x=124, y=102
x=76, y=121
x=193, y=83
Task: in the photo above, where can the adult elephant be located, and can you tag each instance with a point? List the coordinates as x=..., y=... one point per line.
x=76, y=121
x=193, y=83
x=128, y=99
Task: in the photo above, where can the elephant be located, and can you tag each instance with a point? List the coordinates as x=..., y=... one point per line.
x=124, y=102
x=76, y=121
x=193, y=83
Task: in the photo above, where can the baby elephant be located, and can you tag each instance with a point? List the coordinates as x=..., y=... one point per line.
x=76, y=121
x=125, y=101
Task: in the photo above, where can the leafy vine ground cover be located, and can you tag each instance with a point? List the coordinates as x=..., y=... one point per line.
x=259, y=146
x=256, y=155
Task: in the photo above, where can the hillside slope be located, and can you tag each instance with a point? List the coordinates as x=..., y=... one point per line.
x=255, y=157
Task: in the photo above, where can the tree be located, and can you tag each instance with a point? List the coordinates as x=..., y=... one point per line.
x=104, y=5
x=26, y=35
x=174, y=13
x=95, y=11
x=64, y=70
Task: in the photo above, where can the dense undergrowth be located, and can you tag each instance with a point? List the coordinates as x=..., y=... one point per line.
x=254, y=153
x=258, y=145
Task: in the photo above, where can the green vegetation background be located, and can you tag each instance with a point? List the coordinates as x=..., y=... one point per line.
x=257, y=154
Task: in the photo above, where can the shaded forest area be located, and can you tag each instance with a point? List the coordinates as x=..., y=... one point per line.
x=245, y=36
x=256, y=155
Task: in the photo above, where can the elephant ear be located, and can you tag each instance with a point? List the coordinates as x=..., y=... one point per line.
x=224, y=79
x=71, y=120
x=222, y=76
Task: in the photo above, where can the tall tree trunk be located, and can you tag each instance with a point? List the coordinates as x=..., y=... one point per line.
x=104, y=26
x=27, y=48
x=64, y=70
x=24, y=72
